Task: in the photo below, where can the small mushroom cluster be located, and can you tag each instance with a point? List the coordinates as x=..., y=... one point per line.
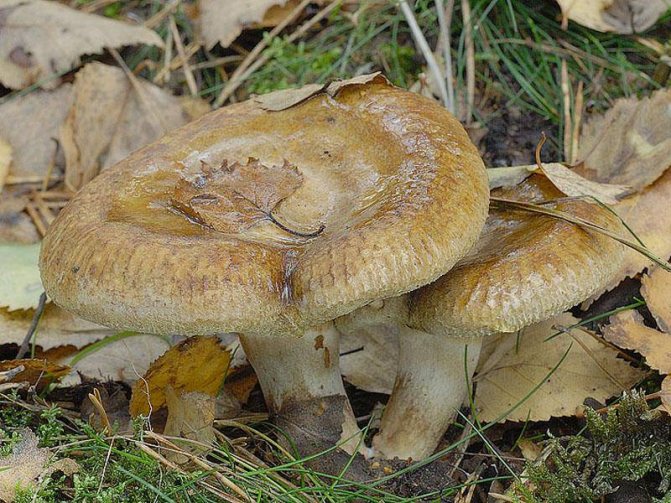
x=296, y=217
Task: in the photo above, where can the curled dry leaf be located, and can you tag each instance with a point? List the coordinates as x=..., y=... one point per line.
x=15, y=225
x=574, y=185
x=656, y=290
x=626, y=330
x=27, y=464
x=112, y=116
x=196, y=364
x=223, y=20
x=21, y=285
x=589, y=369
x=620, y=16
x=30, y=124
x=41, y=38
x=630, y=144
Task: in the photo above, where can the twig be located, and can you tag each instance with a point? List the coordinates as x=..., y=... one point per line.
x=470, y=59
x=577, y=119
x=157, y=18
x=445, y=22
x=23, y=349
x=236, y=80
x=566, y=102
x=188, y=73
x=423, y=46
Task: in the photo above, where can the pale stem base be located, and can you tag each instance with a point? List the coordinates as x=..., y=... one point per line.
x=430, y=387
x=294, y=369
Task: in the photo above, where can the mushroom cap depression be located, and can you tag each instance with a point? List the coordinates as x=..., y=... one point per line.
x=272, y=215
x=525, y=268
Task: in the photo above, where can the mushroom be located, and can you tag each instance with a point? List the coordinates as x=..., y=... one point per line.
x=524, y=269
x=271, y=218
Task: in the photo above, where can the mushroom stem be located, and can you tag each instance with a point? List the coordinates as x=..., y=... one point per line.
x=300, y=378
x=430, y=387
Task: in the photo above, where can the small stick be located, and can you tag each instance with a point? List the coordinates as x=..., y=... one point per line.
x=445, y=22
x=188, y=73
x=470, y=59
x=23, y=349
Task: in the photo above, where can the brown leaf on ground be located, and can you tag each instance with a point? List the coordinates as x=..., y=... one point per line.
x=630, y=144
x=666, y=394
x=26, y=464
x=191, y=417
x=38, y=373
x=41, y=38
x=30, y=124
x=369, y=358
x=111, y=117
x=223, y=20
x=57, y=327
x=626, y=330
x=589, y=369
x=574, y=185
x=619, y=16
x=231, y=198
x=656, y=290
x=287, y=98
x=15, y=225
x=196, y=364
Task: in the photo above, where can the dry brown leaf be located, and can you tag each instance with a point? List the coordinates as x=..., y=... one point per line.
x=38, y=373
x=125, y=359
x=369, y=358
x=41, y=38
x=509, y=176
x=240, y=381
x=27, y=464
x=195, y=364
x=626, y=330
x=287, y=98
x=233, y=198
x=620, y=16
x=574, y=185
x=57, y=327
x=223, y=20
x=666, y=394
x=110, y=117
x=528, y=361
x=30, y=124
x=630, y=144
x=336, y=86
x=656, y=290
x=15, y=225
x=191, y=417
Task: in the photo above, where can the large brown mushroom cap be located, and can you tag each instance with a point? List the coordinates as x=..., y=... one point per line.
x=185, y=235
x=525, y=268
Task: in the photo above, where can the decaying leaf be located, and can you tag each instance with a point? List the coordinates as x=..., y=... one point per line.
x=223, y=20
x=30, y=124
x=336, y=86
x=589, y=369
x=509, y=176
x=620, y=16
x=574, y=185
x=57, y=327
x=666, y=394
x=110, y=117
x=190, y=416
x=630, y=144
x=196, y=364
x=35, y=372
x=21, y=286
x=656, y=290
x=231, y=198
x=26, y=464
x=626, y=330
x=124, y=359
x=15, y=225
x=41, y=38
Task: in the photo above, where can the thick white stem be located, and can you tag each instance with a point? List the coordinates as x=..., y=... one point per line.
x=293, y=370
x=430, y=387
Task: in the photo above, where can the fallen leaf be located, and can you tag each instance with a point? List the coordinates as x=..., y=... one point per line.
x=38, y=373
x=223, y=20
x=529, y=361
x=666, y=394
x=509, y=176
x=233, y=198
x=369, y=357
x=30, y=124
x=5, y=161
x=574, y=185
x=630, y=144
x=619, y=16
x=21, y=285
x=111, y=117
x=626, y=330
x=287, y=98
x=656, y=290
x=42, y=38
x=195, y=364
x=336, y=86
x=124, y=357
x=15, y=226
x=57, y=327
x=191, y=417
